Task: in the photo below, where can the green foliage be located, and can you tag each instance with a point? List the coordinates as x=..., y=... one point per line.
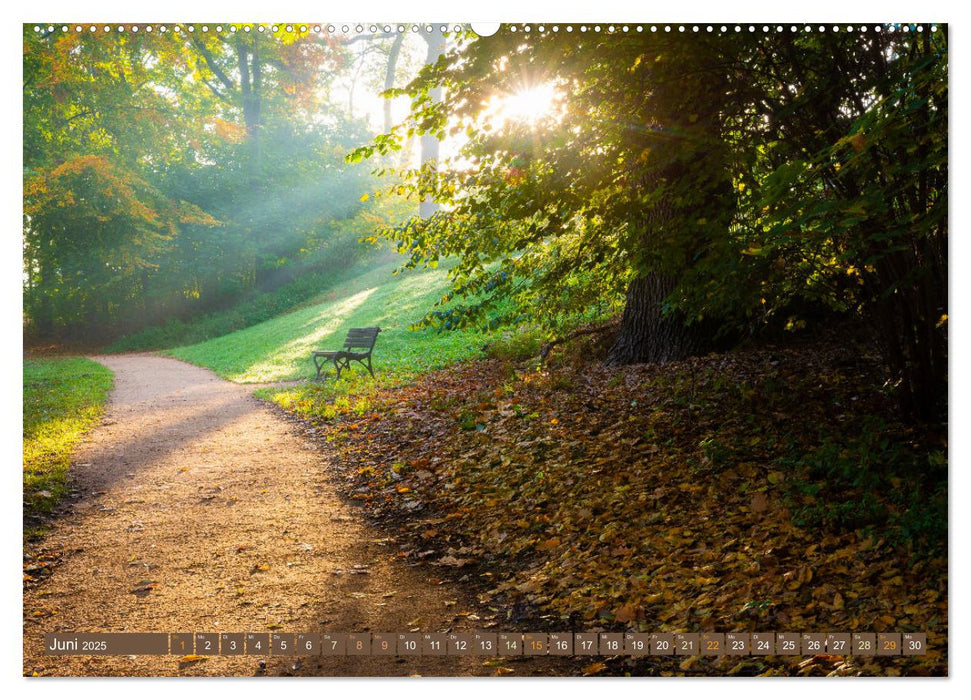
x=63, y=399
x=517, y=344
x=871, y=479
x=105, y=227
x=257, y=308
x=760, y=174
x=339, y=258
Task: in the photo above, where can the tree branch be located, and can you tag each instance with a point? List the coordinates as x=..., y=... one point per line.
x=215, y=91
x=213, y=66
x=372, y=37
x=393, y=53
x=589, y=330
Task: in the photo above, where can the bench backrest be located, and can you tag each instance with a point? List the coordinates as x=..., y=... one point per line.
x=362, y=338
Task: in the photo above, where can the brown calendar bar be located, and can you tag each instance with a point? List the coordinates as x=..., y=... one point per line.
x=712, y=644
x=106, y=644
x=611, y=643
x=481, y=643
x=637, y=644
x=561, y=644
x=585, y=644
x=687, y=644
x=409, y=644
x=662, y=644
x=384, y=644
x=838, y=644
x=232, y=644
x=914, y=643
x=763, y=643
x=333, y=644
x=738, y=643
x=308, y=645
x=460, y=644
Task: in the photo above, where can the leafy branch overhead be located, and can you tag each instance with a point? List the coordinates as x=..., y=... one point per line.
x=731, y=182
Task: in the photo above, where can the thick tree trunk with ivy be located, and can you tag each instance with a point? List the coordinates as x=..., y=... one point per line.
x=646, y=334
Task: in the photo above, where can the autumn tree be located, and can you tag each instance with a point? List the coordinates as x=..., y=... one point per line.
x=95, y=130
x=716, y=183
x=211, y=165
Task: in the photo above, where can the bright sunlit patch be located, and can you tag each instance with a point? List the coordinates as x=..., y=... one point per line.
x=529, y=105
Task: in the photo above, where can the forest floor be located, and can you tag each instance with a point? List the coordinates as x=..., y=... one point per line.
x=773, y=488
x=198, y=509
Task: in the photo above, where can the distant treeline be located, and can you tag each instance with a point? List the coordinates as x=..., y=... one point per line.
x=170, y=175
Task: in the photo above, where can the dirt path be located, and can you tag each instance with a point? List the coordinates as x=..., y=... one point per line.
x=197, y=494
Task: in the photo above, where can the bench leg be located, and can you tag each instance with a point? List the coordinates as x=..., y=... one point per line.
x=319, y=366
x=365, y=363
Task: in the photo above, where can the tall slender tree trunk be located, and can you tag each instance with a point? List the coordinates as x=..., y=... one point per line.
x=250, y=64
x=429, y=143
x=393, y=53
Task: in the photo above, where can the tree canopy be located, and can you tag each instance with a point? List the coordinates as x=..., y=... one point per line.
x=725, y=183
x=172, y=172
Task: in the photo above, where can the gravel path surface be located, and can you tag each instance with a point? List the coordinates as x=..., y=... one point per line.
x=200, y=510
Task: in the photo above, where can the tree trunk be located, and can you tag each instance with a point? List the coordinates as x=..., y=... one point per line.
x=429, y=143
x=646, y=335
x=393, y=54
x=913, y=334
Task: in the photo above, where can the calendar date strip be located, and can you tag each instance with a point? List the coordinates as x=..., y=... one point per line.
x=487, y=644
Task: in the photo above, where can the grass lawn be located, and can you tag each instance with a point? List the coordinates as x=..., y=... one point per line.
x=63, y=398
x=280, y=349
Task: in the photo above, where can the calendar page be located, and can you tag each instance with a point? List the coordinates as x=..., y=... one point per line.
x=589, y=348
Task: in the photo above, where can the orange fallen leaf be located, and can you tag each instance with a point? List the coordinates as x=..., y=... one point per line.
x=625, y=613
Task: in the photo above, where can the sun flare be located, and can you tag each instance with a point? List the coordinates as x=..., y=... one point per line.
x=529, y=105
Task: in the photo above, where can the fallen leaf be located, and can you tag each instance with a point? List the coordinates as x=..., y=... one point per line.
x=689, y=663
x=625, y=613
x=760, y=502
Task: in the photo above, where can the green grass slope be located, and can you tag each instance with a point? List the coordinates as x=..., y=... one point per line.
x=63, y=399
x=280, y=348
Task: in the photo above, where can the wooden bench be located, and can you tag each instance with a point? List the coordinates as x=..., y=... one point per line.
x=357, y=347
